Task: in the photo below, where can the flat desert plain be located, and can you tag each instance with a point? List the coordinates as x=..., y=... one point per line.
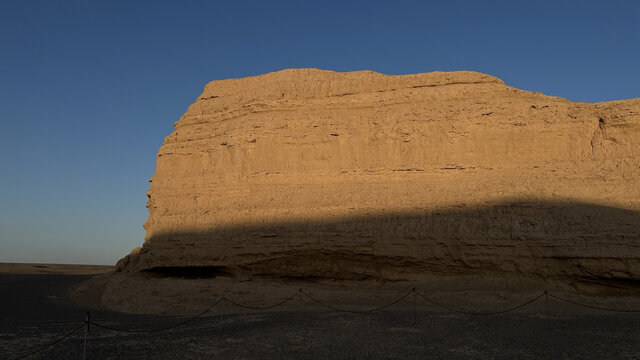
x=36, y=309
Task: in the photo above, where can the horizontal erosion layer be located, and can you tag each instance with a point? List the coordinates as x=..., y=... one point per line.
x=537, y=238
x=311, y=83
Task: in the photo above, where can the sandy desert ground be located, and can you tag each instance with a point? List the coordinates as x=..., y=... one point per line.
x=36, y=309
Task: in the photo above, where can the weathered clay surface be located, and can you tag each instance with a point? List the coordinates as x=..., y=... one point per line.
x=314, y=174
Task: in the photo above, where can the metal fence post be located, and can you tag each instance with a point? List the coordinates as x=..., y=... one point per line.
x=86, y=334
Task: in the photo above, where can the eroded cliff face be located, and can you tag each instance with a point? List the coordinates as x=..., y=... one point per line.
x=310, y=174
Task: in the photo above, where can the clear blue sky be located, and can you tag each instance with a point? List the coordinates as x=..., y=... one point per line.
x=88, y=89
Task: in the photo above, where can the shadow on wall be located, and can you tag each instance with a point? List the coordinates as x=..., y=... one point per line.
x=540, y=238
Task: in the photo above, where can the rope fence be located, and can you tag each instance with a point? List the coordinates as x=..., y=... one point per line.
x=480, y=313
x=45, y=347
x=88, y=322
x=590, y=306
x=329, y=306
x=107, y=327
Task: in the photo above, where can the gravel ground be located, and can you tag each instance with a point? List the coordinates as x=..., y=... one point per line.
x=34, y=312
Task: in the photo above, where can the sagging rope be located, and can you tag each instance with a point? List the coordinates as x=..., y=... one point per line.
x=43, y=348
x=480, y=313
x=199, y=315
x=357, y=311
x=263, y=307
x=591, y=306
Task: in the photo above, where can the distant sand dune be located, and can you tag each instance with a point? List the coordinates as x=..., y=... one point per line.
x=69, y=269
